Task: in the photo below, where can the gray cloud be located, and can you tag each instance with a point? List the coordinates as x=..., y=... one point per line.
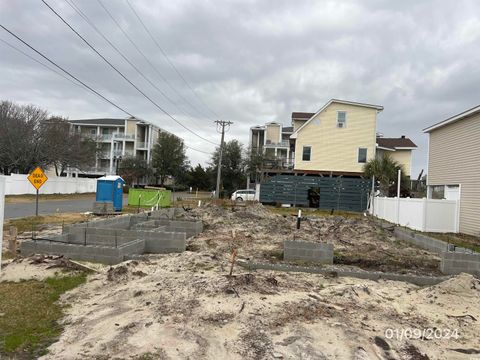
x=254, y=61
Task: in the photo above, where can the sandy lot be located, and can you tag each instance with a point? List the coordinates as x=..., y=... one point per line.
x=186, y=306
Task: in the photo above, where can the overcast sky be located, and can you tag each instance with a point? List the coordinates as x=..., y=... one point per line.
x=250, y=61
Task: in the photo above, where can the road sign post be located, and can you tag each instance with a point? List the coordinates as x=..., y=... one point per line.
x=37, y=178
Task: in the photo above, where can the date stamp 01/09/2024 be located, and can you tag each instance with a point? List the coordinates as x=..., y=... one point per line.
x=421, y=334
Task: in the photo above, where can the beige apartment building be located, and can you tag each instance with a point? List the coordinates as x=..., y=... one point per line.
x=116, y=139
x=454, y=165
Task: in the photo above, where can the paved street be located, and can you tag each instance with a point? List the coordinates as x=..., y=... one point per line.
x=46, y=207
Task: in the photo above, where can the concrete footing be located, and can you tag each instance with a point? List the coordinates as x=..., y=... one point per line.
x=453, y=259
x=369, y=275
x=320, y=253
x=111, y=240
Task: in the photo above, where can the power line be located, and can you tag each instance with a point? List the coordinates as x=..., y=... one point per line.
x=65, y=71
x=39, y=62
x=169, y=61
x=120, y=73
x=148, y=60
x=85, y=17
x=72, y=76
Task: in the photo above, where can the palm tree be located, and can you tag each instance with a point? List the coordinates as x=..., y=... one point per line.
x=385, y=170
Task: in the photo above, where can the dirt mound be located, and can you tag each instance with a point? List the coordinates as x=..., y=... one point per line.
x=460, y=285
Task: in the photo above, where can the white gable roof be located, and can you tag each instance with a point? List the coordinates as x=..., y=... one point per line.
x=377, y=107
x=452, y=119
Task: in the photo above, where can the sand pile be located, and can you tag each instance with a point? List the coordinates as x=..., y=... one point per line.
x=185, y=306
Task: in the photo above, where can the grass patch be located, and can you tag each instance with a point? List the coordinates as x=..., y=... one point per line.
x=313, y=212
x=38, y=222
x=12, y=199
x=462, y=240
x=30, y=314
x=7, y=255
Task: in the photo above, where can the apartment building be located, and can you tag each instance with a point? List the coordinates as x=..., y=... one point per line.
x=272, y=140
x=116, y=139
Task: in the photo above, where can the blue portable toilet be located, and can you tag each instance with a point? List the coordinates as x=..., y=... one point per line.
x=110, y=189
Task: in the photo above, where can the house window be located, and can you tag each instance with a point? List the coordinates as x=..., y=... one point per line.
x=93, y=131
x=341, y=119
x=307, y=153
x=362, y=155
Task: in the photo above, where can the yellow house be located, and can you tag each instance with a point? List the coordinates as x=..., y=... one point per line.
x=338, y=139
x=399, y=149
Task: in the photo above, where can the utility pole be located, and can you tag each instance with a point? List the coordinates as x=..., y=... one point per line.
x=221, y=125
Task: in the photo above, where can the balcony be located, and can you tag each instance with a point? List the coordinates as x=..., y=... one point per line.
x=281, y=144
x=141, y=145
x=123, y=136
x=114, y=136
x=279, y=163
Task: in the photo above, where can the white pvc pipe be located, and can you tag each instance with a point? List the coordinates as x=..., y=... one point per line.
x=398, y=182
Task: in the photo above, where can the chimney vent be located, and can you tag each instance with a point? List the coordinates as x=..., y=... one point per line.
x=403, y=136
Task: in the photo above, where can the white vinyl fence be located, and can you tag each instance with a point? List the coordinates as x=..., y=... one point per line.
x=419, y=214
x=17, y=184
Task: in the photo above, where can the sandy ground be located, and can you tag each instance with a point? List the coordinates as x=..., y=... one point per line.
x=258, y=234
x=186, y=306
x=22, y=269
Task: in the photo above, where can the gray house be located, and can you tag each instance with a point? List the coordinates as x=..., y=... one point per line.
x=454, y=165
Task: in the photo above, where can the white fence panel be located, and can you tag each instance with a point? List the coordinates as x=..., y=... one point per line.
x=411, y=213
x=441, y=215
x=419, y=214
x=18, y=184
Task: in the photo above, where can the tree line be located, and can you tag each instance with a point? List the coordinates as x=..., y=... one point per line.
x=29, y=137
x=170, y=161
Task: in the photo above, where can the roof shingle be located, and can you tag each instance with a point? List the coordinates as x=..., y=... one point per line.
x=302, y=115
x=393, y=143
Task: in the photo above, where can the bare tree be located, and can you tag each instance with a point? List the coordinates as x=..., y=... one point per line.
x=65, y=148
x=20, y=143
x=29, y=138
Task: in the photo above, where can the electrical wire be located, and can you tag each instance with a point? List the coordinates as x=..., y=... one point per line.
x=72, y=76
x=65, y=71
x=164, y=79
x=168, y=59
x=99, y=32
x=44, y=65
x=120, y=73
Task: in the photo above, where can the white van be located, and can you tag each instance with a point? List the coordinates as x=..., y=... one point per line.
x=244, y=195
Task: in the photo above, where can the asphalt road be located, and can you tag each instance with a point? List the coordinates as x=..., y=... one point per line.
x=45, y=207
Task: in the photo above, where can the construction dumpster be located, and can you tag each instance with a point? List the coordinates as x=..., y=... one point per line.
x=149, y=197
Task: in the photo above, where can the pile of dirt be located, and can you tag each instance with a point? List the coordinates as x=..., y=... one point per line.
x=258, y=234
x=186, y=306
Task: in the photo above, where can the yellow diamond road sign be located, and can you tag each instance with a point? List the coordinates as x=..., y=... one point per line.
x=37, y=177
